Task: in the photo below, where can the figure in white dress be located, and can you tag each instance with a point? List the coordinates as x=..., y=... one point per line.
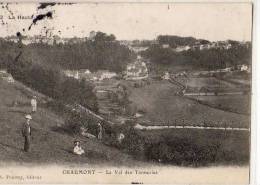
x=77, y=148
x=34, y=104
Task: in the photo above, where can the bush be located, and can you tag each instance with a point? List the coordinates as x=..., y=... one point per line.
x=76, y=121
x=134, y=143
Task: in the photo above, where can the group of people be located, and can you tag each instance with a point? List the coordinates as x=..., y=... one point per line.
x=26, y=131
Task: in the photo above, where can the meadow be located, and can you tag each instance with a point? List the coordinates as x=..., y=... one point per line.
x=161, y=106
x=211, y=84
x=240, y=104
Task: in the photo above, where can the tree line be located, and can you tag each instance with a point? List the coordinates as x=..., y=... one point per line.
x=53, y=83
x=208, y=59
x=103, y=52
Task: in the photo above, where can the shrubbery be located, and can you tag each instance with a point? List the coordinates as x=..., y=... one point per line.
x=182, y=152
x=76, y=121
x=51, y=82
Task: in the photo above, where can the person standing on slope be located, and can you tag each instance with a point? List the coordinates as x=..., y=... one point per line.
x=34, y=104
x=100, y=131
x=26, y=132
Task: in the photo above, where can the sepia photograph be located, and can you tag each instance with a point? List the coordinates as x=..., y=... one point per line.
x=130, y=93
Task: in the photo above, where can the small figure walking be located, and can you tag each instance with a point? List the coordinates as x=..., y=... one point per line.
x=26, y=132
x=34, y=104
x=77, y=148
x=100, y=130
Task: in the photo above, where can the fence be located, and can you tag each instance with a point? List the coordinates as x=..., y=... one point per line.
x=141, y=127
x=168, y=125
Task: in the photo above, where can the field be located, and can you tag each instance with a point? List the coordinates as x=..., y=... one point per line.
x=211, y=84
x=237, y=78
x=162, y=107
x=235, y=103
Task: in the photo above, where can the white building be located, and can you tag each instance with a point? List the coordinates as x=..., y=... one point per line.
x=107, y=75
x=71, y=73
x=182, y=48
x=6, y=76
x=243, y=67
x=165, y=46
x=136, y=70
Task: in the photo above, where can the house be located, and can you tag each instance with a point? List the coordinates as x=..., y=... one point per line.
x=107, y=75
x=72, y=73
x=227, y=46
x=182, y=48
x=85, y=73
x=242, y=67
x=227, y=69
x=138, y=49
x=99, y=75
x=6, y=76
x=165, y=46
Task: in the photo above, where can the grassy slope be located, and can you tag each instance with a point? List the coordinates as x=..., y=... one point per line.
x=48, y=145
x=160, y=104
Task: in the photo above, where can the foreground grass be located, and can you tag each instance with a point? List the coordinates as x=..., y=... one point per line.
x=50, y=144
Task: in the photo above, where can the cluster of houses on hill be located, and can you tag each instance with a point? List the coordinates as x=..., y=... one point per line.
x=134, y=71
x=91, y=76
x=26, y=40
x=50, y=40
x=225, y=45
x=242, y=68
x=198, y=46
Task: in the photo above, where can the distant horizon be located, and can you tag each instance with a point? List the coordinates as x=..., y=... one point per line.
x=129, y=39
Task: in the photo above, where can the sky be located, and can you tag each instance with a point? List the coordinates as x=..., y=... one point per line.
x=129, y=21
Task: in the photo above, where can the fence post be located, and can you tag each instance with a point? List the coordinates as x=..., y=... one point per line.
x=225, y=125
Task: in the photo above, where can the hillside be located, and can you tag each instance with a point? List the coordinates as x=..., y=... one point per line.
x=49, y=144
x=162, y=106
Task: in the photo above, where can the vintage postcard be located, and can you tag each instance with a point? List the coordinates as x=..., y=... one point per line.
x=135, y=93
